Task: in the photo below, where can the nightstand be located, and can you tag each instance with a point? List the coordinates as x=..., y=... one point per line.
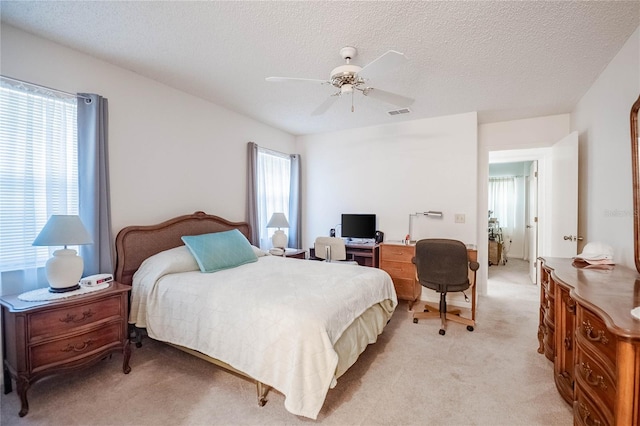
x=296, y=253
x=45, y=338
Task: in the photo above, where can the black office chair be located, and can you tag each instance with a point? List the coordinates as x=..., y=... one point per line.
x=443, y=265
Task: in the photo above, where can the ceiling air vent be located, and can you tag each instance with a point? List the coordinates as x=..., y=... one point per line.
x=399, y=111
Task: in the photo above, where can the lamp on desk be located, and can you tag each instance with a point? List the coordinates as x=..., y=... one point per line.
x=64, y=269
x=279, y=239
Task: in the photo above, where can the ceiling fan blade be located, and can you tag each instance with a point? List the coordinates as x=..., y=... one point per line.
x=382, y=65
x=388, y=97
x=298, y=80
x=323, y=107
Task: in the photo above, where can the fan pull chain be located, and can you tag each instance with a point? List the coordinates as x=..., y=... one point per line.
x=352, y=109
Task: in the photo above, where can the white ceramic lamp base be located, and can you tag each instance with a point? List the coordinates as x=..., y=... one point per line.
x=279, y=239
x=64, y=271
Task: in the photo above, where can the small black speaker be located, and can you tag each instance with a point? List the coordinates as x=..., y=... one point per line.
x=379, y=237
x=332, y=232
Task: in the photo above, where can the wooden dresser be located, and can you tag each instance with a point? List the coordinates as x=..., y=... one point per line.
x=587, y=330
x=44, y=338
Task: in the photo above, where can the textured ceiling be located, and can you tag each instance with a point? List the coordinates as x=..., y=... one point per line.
x=506, y=60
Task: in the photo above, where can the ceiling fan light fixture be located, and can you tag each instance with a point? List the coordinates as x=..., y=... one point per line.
x=346, y=89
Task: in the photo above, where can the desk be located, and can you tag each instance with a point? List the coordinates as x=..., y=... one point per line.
x=395, y=258
x=364, y=254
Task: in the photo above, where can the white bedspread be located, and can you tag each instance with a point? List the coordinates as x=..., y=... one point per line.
x=275, y=320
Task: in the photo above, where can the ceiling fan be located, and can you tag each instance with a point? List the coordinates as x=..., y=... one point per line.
x=350, y=78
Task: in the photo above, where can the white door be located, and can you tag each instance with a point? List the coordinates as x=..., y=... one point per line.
x=564, y=197
x=532, y=221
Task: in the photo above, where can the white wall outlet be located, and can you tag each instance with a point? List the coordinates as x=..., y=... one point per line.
x=459, y=218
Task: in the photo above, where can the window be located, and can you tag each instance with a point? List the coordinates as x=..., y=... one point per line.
x=38, y=168
x=274, y=178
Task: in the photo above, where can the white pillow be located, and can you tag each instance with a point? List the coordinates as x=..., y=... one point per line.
x=259, y=252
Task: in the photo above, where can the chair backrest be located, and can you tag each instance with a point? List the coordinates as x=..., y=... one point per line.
x=442, y=265
x=330, y=248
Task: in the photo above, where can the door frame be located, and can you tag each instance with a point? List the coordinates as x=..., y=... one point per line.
x=543, y=156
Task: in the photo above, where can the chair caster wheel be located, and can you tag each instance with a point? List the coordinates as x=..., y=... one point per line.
x=138, y=345
x=470, y=327
x=442, y=331
x=415, y=320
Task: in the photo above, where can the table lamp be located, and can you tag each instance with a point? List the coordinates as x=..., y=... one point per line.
x=279, y=239
x=64, y=269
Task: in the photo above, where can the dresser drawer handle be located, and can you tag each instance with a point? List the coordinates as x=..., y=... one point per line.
x=72, y=318
x=585, y=416
x=73, y=348
x=596, y=381
x=588, y=332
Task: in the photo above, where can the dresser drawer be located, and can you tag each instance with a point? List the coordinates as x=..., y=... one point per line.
x=587, y=413
x=60, y=321
x=592, y=334
x=397, y=253
x=406, y=289
x=595, y=380
x=65, y=350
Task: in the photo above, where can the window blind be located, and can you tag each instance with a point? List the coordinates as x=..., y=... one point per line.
x=38, y=168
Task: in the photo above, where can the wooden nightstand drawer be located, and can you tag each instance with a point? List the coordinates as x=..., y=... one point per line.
x=60, y=321
x=50, y=354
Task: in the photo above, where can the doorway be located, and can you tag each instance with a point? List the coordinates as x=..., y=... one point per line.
x=512, y=219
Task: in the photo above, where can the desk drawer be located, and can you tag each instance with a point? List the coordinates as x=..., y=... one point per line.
x=397, y=253
x=63, y=320
x=64, y=350
x=399, y=269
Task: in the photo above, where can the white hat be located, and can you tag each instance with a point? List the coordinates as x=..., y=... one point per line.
x=596, y=251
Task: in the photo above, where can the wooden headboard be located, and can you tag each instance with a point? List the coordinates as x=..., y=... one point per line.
x=136, y=243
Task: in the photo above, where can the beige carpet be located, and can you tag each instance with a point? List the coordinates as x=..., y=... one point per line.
x=411, y=376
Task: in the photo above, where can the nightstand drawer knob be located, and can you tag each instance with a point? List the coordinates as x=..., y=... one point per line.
x=72, y=318
x=73, y=348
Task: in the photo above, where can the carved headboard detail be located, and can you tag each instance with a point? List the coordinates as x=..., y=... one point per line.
x=136, y=243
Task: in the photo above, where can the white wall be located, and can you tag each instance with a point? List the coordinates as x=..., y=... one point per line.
x=392, y=171
x=170, y=153
x=602, y=119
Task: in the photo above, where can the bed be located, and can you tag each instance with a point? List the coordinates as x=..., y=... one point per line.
x=289, y=324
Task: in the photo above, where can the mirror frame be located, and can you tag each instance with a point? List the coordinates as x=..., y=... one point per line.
x=635, y=151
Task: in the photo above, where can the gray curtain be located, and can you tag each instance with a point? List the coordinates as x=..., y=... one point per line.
x=295, y=204
x=252, y=192
x=93, y=179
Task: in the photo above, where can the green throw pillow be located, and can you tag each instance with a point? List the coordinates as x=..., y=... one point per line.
x=220, y=250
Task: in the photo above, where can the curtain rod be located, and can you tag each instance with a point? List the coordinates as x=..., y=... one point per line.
x=62, y=92
x=273, y=151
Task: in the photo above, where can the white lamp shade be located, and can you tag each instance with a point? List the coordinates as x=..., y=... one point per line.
x=64, y=269
x=63, y=230
x=278, y=220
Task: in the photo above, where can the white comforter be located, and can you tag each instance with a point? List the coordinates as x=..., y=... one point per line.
x=276, y=319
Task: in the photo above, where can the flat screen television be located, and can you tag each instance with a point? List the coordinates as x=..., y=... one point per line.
x=358, y=226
